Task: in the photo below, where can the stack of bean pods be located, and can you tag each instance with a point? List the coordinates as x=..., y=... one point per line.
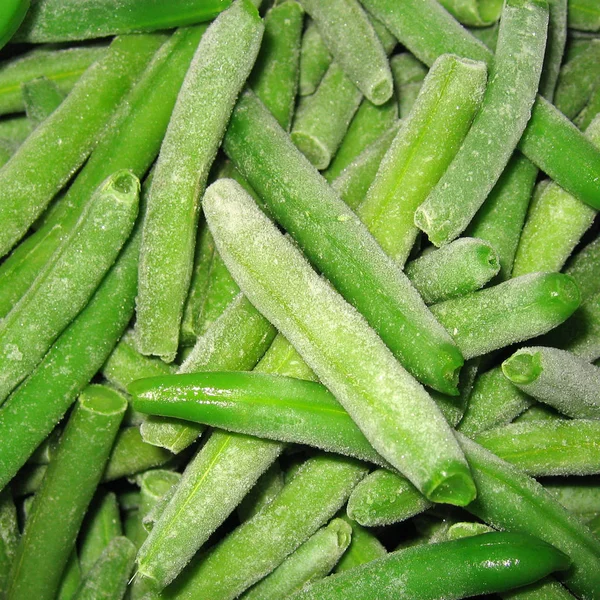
x=340, y=341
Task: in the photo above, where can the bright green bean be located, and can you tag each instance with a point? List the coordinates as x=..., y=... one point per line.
x=506, y=108
x=425, y=145
x=493, y=562
x=354, y=181
x=314, y=60
x=107, y=580
x=45, y=162
x=555, y=223
x=339, y=245
x=459, y=268
x=69, y=280
x=41, y=98
x=15, y=130
x=476, y=13
x=63, y=67
x=312, y=561
x=268, y=485
x=510, y=312
x=564, y=381
x=218, y=71
x=102, y=524
x=259, y=545
x=275, y=76
x=60, y=504
x=494, y=401
x=59, y=21
x=584, y=268
x=364, y=547
x=368, y=124
x=310, y=313
x=584, y=15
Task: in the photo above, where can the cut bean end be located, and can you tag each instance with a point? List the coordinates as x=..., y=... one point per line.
x=102, y=400
x=523, y=367
x=382, y=91
x=455, y=488
x=312, y=148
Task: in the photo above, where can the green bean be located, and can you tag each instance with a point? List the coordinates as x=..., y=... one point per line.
x=500, y=219
x=107, y=580
x=408, y=75
x=369, y=123
x=354, y=181
x=60, y=21
x=312, y=561
x=15, y=130
x=577, y=80
x=41, y=98
x=555, y=447
x=322, y=342
x=275, y=77
x=459, y=268
x=476, y=13
x=364, y=547
x=494, y=401
x=555, y=47
x=125, y=364
x=204, y=252
x=71, y=578
x=259, y=545
x=132, y=141
x=555, y=224
x=28, y=480
x=46, y=449
x=69, y=280
x=506, y=108
x=43, y=163
x=314, y=60
x=538, y=412
x=584, y=15
x=102, y=524
x=218, y=71
x=486, y=35
x=33, y=409
x=237, y=340
x=580, y=495
x=131, y=455
x=425, y=145
x=583, y=267
x=60, y=504
x=9, y=536
x=288, y=185
x=221, y=289
x=268, y=485
x=510, y=312
x=586, y=116
x=428, y=31
x=564, y=381
x=63, y=67
x=383, y=498
x=493, y=562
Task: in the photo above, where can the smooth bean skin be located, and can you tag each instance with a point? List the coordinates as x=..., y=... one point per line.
x=505, y=111
x=334, y=330
x=69, y=280
x=221, y=65
x=59, y=21
x=67, y=489
x=322, y=224
x=558, y=378
x=492, y=562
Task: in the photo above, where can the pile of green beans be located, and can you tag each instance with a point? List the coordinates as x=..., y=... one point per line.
x=299, y=299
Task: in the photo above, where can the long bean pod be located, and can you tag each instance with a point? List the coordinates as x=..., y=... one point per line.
x=314, y=60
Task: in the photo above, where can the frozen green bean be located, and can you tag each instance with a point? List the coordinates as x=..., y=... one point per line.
x=333, y=339
x=107, y=580
x=15, y=130
x=584, y=15
x=102, y=524
x=506, y=108
x=41, y=98
x=579, y=495
x=314, y=60
x=339, y=244
x=312, y=561
x=60, y=504
x=61, y=66
x=364, y=547
x=60, y=20
x=555, y=223
x=425, y=145
x=71, y=578
x=510, y=312
x=408, y=73
x=564, y=381
x=267, y=487
x=9, y=535
x=555, y=47
x=275, y=76
x=476, y=13
x=44, y=163
x=584, y=268
x=586, y=116
x=69, y=280
x=222, y=63
x=255, y=548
